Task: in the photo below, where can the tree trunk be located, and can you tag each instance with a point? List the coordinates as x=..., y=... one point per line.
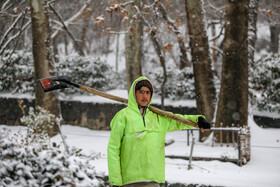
x=133, y=46
x=159, y=52
x=43, y=58
x=86, y=19
x=202, y=63
x=117, y=53
x=252, y=29
x=274, y=38
x=233, y=98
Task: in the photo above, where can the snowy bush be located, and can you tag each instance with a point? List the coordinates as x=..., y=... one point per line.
x=33, y=160
x=265, y=83
x=44, y=165
x=17, y=72
x=38, y=122
x=179, y=85
x=87, y=70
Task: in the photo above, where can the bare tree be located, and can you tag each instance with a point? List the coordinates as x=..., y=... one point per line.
x=252, y=29
x=86, y=20
x=151, y=16
x=43, y=57
x=172, y=24
x=77, y=46
x=274, y=27
x=233, y=98
x=153, y=34
x=136, y=19
x=214, y=14
x=133, y=44
x=269, y=14
x=274, y=38
x=159, y=52
x=10, y=39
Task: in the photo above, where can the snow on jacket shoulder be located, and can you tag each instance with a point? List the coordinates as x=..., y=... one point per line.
x=136, y=149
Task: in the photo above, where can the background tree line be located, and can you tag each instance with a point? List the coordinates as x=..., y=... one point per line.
x=214, y=39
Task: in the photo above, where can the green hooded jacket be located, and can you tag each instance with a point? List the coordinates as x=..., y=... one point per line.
x=136, y=150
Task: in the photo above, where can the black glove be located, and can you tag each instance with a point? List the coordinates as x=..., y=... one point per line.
x=203, y=124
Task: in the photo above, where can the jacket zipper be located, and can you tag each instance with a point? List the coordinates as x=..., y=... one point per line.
x=143, y=115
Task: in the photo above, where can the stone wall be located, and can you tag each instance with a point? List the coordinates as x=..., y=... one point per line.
x=95, y=116
x=10, y=112
x=267, y=122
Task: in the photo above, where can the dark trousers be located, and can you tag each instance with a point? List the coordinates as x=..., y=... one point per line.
x=142, y=184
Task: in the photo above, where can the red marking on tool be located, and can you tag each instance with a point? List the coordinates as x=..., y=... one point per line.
x=46, y=83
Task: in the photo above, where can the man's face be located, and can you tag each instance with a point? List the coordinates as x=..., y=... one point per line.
x=143, y=96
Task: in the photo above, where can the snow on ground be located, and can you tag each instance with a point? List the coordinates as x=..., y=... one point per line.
x=262, y=170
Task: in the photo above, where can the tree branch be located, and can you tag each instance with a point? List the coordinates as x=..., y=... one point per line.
x=20, y=31
x=10, y=30
x=74, y=18
x=5, y=6
x=3, y=47
x=68, y=32
x=219, y=35
x=217, y=49
x=11, y=39
x=183, y=57
x=159, y=52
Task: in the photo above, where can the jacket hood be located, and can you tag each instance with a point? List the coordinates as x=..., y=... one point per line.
x=132, y=103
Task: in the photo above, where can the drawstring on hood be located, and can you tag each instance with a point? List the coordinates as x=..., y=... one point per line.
x=143, y=110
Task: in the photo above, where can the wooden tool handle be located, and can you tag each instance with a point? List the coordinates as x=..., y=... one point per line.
x=152, y=108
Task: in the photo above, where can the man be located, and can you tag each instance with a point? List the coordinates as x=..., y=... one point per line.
x=136, y=155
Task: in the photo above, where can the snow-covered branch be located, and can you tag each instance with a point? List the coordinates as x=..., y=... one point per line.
x=159, y=51
x=143, y=18
x=115, y=32
x=217, y=49
x=183, y=57
x=66, y=29
x=127, y=3
x=168, y=20
x=220, y=10
x=14, y=37
x=9, y=30
x=218, y=35
x=71, y=20
x=5, y=6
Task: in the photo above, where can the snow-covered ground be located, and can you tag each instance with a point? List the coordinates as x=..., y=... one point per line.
x=262, y=170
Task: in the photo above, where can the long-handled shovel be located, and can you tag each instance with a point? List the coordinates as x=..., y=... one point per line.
x=60, y=82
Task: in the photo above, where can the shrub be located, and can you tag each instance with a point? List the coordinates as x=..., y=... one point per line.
x=38, y=123
x=87, y=71
x=265, y=83
x=33, y=161
x=17, y=72
x=44, y=165
x=179, y=85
